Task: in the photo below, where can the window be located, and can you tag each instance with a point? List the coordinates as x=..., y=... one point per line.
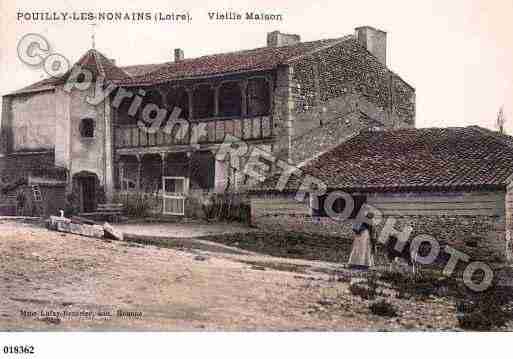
x=87, y=128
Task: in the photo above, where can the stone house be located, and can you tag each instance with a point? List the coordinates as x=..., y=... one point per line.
x=454, y=184
x=280, y=97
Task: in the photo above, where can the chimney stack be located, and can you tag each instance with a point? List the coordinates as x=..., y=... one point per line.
x=374, y=40
x=277, y=39
x=179, y=55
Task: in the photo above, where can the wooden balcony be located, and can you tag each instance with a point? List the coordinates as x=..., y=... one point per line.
x=256, y=128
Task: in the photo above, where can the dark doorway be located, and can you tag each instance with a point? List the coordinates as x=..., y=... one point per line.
x=88, y=189
x=85, y=186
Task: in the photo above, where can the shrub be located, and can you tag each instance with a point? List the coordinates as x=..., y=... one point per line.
x=362, y=290
x=423, y=284
x=485, y=311
x=137, y=204
x=366, y=289
x=100, y=195
x=226, y=206
x=383, y=308
x=72, y=205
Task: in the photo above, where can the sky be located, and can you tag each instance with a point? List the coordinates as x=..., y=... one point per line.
x=457, y=54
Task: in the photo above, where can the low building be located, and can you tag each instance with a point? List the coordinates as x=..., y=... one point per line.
x=267, y=96
x=454, y=184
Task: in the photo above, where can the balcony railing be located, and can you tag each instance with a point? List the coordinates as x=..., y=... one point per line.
x=256, y=128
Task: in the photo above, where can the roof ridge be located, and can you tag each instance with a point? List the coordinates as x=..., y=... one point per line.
x=336, y=40
x=99, y=65
x=98, y=55
x=501, y=137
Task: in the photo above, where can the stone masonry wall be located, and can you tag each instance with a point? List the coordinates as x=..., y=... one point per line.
x=509, y=221
x=482, y=237
x=326, y=137
x=20, y=165
x=348, y=68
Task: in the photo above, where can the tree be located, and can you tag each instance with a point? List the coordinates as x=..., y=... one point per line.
x=501, y=120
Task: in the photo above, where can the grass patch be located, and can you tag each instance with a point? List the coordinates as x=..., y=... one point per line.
x=290, y=245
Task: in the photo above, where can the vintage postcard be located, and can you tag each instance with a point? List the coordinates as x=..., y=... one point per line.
x=255, y=166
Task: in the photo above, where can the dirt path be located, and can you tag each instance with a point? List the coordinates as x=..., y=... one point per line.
x=170, y=289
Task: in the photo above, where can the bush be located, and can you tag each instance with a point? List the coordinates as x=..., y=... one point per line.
x=485, y=311
x=366, y=289
x=137, y=204
x=226, y=206
x=363, y=291
x=383, y=308
x=423, y=284
x=394, y=277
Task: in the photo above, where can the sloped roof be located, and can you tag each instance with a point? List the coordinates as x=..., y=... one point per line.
x=43, y=85
x=100, y=65
x=263, y=58
x=413, y=159
x=92, y=60
x=138, y=70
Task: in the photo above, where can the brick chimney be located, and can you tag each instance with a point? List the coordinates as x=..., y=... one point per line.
x=179, y=55
x=374, y=40
x=276, y=39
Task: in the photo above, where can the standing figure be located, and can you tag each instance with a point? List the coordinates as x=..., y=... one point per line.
x=361, y=257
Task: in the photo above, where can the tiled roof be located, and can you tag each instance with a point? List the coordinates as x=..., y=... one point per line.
x=93, y=60
x=43, y=85
x=413, y=159
x=263, y=58
x=138, y=70
x=97, y=63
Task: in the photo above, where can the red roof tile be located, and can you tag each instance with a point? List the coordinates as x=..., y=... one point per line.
x=93, y=60
x=414, y=159
x=263, y=58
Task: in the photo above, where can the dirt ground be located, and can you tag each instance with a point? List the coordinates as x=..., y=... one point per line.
x=56, y=281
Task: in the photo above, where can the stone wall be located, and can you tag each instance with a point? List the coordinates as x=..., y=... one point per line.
x=323, y=138
x=2, y=165
x=479, y=235
x=509, y=221
x=21, y=165
x=346, y=69
x=282, y=112
x=53, y=200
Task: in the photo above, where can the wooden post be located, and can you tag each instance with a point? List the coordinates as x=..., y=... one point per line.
x=121, y=167
x=190, y=93
x=243, y=96
x=270, y=96
x=216, y=99
x=139, y=167
x=163, y=156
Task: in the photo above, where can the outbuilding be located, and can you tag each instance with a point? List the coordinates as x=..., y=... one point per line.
x=453, y=184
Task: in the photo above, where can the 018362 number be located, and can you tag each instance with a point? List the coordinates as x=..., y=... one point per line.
x=18, y=349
